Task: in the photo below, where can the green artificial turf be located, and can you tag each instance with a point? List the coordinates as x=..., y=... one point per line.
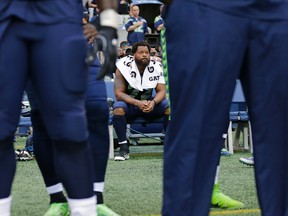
x=134, y=187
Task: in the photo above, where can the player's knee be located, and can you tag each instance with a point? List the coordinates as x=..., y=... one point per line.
x=71, y=126
x=119, y=111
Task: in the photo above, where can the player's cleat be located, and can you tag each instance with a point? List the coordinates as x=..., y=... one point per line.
x=225, y=153
x=25, y=109
x=122, y=156
x=22, y=155
x=248, y=161
x=123, y=153
x=58, y=209
x=103, y=210
x=220, y=200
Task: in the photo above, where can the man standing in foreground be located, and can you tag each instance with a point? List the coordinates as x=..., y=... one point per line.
x=46, y=42
x=221, y=41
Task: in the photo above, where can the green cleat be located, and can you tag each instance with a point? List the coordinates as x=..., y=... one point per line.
x=58, y=209
x=220, y=200
x=103, y=210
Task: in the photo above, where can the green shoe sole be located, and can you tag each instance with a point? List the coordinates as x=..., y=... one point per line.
x=58, y=209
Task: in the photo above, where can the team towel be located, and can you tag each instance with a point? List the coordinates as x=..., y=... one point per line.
x=153, y=73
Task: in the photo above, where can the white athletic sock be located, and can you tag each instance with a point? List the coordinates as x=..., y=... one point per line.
x=5, y=206
x=55, y=188
x=98, y=186
x=216, y=175
x=83, y=207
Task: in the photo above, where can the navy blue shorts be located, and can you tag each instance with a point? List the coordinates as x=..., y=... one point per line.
x=132, y=111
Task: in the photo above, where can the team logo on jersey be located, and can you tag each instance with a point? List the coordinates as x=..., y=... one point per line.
x=128, y=61
x=127, y=64
x=133, y=74
x=151, y=69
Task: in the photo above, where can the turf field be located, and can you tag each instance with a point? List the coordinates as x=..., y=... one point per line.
x=134, y=187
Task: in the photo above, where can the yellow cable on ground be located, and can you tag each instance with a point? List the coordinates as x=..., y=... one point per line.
x=231, y=212
x=224, y=212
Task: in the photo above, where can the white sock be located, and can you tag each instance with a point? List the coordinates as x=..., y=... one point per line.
x=98, y=186
x=83, y=207
x=216, y=175
x=5, y=206
x=123, y=142
x=55, y=188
